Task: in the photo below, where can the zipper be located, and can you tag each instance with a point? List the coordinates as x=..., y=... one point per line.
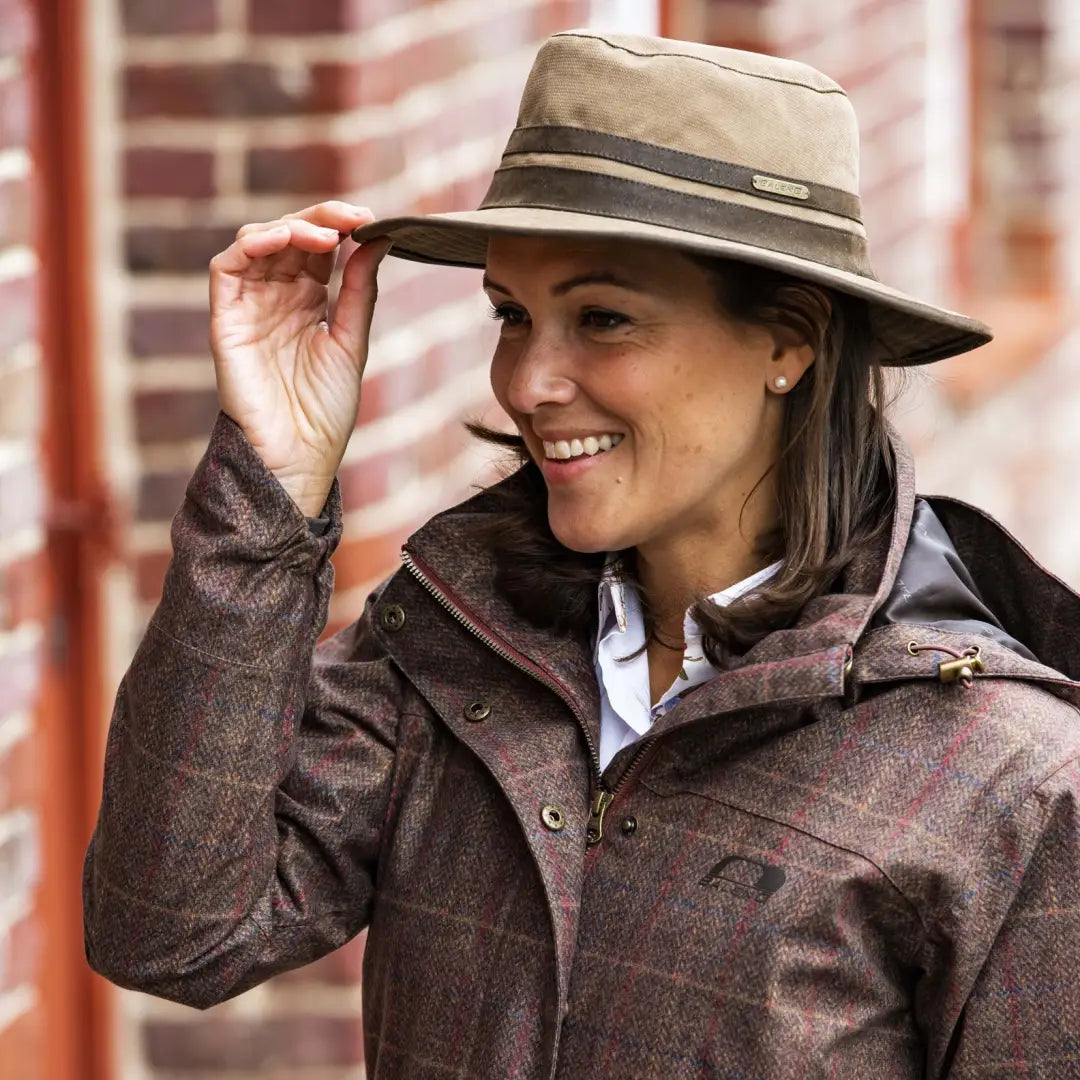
x=603, y=797
x=600, y=797
x=501, y=650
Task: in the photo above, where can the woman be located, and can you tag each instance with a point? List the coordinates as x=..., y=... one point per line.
x=698, y=747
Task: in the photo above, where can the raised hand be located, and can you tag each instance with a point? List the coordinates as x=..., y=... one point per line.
x=290, y=380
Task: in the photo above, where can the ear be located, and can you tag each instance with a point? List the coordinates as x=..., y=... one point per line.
x=788, y=365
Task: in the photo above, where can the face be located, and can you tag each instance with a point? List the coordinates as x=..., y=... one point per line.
x=651, y=414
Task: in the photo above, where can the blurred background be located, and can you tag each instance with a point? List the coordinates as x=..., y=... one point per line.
x=137, y=135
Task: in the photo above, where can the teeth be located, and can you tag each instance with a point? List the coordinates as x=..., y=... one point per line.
x=565, y=449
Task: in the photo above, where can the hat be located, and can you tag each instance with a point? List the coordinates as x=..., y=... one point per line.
x=706, y=149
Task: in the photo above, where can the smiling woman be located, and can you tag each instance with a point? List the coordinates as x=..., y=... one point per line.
x=835, y=721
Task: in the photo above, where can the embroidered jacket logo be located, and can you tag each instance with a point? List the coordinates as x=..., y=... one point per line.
x=748, y=875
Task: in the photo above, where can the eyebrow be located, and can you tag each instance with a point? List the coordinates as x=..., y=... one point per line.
x=592, y=277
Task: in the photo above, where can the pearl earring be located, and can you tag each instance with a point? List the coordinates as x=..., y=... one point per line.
x=780, y=382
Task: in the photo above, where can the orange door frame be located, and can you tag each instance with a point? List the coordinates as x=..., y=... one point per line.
x=70, y=730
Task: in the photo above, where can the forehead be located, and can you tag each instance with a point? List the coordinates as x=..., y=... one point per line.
x=543, y=257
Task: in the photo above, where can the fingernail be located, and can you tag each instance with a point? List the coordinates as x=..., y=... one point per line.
x=330, y=234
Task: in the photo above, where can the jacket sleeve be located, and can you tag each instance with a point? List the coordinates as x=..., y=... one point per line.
x=247, y=773
x=1022, y=1015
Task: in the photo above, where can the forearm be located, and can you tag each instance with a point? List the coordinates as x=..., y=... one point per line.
x=182, y=872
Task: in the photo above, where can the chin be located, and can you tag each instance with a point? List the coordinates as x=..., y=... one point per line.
x=587, y=538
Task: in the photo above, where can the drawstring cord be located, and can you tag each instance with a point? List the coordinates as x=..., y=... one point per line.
x=962, y=668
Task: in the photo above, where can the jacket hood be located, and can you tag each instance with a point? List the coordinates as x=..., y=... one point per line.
x=935, y=589
x=945, y=575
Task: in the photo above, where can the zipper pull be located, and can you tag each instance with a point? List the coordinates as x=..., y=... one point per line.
x=594, y=833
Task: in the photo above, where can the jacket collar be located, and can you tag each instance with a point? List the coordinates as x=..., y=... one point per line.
x=830, y=651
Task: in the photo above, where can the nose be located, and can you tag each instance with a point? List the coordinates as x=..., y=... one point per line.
x=541, y=375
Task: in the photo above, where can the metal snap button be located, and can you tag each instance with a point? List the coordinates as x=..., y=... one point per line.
x=628, y=826
x=553, y=817
x=477, y=711
x=392, y=617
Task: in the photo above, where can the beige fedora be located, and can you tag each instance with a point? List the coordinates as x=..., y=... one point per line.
x=724, y=152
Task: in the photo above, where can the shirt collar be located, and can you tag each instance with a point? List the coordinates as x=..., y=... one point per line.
x=612, y=599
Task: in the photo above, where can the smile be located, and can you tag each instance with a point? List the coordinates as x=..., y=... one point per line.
x=568, y=449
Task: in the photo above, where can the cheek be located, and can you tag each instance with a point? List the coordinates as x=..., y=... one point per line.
x=500, y=373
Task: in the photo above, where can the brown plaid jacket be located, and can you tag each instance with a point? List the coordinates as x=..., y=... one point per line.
x=827, y=862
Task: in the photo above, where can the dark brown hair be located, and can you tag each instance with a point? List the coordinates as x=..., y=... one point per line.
x=833, y=476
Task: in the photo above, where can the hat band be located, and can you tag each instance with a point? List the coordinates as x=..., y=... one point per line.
x=678, y=163
x=576, y=191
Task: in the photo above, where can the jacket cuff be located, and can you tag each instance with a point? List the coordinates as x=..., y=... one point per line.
x=249, y=582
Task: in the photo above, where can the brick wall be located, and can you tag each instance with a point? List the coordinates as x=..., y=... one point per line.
x=21, y=561
x=239, y=110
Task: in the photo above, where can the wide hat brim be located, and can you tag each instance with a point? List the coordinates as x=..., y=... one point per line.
x=907, y=331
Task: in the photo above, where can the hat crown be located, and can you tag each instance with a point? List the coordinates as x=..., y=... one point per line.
x=780, y=117
x=731, y=154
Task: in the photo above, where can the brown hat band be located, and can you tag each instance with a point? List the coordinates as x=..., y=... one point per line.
x=680, y=164
x=577, y=191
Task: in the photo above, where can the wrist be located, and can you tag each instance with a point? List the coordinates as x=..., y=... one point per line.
x=309, y=493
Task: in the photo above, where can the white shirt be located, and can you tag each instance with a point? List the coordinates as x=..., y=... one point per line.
x=625, y=711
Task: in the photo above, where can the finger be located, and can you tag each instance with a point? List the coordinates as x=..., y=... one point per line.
x=239, y=257
x=279, y=249
x=356, y=298
x=342, y=216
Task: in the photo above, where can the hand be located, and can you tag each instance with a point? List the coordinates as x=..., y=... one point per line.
x=288, y=379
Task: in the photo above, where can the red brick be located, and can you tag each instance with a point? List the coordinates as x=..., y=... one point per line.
x=22, y=1045
x=16, y=28
x=171, y=415
x=160, y=495
x=368, y=481
x=555, y=15
x=20, y=775
x=168, y=332
x=388, y=391
x=23, y=591
x=163, y=249
x=150, y=574
x=242, y=1043
x=342, y=967
x=239, y=88
x=169, y=17
x=357, y=561
x=318, y=16
x=151, y=170
x=19, y=303
x=15, y=112
x=321, y=168
x=19, y=953
x=419, y=296
x=19, y=685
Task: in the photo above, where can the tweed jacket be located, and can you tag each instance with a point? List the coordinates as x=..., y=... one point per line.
x=833, y=860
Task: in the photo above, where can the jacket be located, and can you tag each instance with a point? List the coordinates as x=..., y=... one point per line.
x=835, y=859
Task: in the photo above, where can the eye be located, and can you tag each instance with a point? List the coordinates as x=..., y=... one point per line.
x=509, y=315
x=601, y=319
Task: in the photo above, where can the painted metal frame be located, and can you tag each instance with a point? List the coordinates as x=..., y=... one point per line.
x=75, y=1003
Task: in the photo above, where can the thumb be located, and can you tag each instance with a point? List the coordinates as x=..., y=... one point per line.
x=356, y=298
